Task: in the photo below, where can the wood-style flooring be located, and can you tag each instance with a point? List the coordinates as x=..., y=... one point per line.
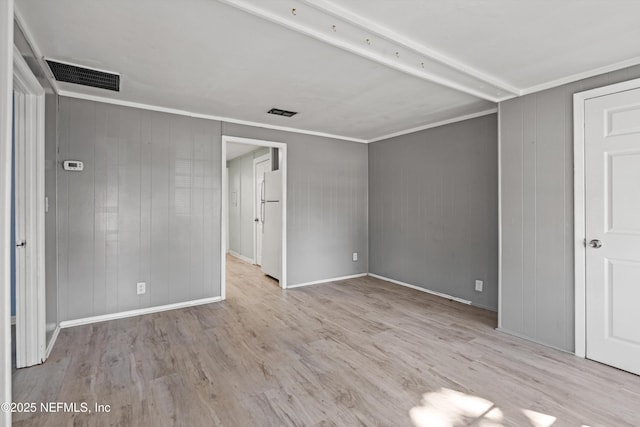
x=356, y=352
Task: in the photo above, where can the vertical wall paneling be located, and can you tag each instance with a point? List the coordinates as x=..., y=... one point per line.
x=144, y=266
x=160, y=265
x=80, y=216
x=433, y=209
x=536, y=146
x=512, y=167
x=180, y=151
x=147, y=207
x=143, y=210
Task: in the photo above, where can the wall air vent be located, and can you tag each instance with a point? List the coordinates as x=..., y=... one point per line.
x=84, y=76
x=279, y=112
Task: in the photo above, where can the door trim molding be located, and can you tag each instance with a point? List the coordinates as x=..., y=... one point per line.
x=283, y=166
x=52, y=342
x=6, y=86
x=30, y=300
x=579, y=205
x=255, y=208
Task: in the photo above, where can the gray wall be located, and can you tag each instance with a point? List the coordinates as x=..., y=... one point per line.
x=327, y=189
x=145, y=208
x=241, y=216
x=433, y=209
x=51, y=123
x=536, y=149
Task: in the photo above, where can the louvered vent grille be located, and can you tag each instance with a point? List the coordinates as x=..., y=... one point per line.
x=280, y=112
x=84, y=76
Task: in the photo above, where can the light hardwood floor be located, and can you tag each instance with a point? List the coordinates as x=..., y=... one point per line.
x=357, y=352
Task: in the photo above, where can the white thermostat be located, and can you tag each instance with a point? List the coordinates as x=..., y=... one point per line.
x=73, y=165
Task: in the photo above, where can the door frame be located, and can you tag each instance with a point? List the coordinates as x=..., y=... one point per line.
x=29, y=99
x=6, y=88
x=579, y=205
x=283, y=166
x=255, y=209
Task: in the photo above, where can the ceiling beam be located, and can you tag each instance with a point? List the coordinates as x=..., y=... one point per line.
x=338, y=27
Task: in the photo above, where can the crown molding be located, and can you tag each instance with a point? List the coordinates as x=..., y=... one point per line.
x=581, y=76
x=77, y=95
x=436, y=124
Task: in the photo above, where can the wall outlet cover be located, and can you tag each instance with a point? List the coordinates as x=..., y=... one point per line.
x=355, y=256
x=141, y=288
x=479, y=285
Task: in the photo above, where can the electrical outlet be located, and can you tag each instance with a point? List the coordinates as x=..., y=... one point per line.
x=141, y=288
x=479, y=285
x=355, y=256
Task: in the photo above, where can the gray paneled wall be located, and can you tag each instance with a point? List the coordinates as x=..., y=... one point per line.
x=241, y=216
x=433, y=209
x=327, y=203
x=50, y=143
x=145, y=208
x=536, y=149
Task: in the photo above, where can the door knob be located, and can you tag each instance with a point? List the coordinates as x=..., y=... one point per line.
x=21, y=243
x=256, y=220
x=595, y=244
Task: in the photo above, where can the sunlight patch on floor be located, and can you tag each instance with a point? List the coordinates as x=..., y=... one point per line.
x=450, y=408
x=538, y=419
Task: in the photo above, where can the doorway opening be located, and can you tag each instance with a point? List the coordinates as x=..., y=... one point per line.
x=254, y=200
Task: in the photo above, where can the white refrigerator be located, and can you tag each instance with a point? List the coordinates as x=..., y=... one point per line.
x=271, y=218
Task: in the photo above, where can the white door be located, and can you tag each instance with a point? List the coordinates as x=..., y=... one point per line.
x=262, y=165
x=612, y=166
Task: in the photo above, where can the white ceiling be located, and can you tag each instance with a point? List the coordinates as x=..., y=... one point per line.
x=523, y=43
x=235, y=149
x=425, y=61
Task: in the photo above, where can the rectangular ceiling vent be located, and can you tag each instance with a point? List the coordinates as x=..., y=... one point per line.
x=279, y=112
x=84, y=76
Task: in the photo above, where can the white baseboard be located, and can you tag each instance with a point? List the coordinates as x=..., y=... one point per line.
x=13, y=320
x=418, y=288
x=240, y=257
x=334, y=279
x=54, y=337
x=139, y=312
